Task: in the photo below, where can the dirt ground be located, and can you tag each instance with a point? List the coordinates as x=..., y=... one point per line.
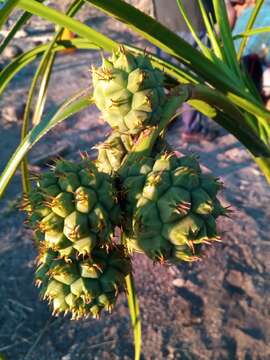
x=215, y=309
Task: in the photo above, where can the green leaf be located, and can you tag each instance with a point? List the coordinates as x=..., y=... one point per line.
x=250, y=24
x=251, y=32
x=264, y=165
x=37, y=113
x=203, y=107
x=193, y=32
x=6, y=10
x=15, y=28
x=42, y=94
x=210, y=32
x=218, y=108
x=23, y=60
x=134, y=315
x=73, y=105
x=226, y=36
x=217, y=75
x=234, y=120
x=44, y=71
x=169, y=42
x=183, y=76
x=254, y=107
x=56, y=17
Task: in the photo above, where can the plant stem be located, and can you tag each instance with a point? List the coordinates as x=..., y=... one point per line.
x=226, y=114
x=148, y=137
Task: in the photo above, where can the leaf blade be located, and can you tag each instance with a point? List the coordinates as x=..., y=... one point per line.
x=43, y=71
x=251, y=32
x=134, y=315
x=73, y=105
x=250, y=24
x=73, y=25
x=168, y=41
x=8, y=73
x=6, y=10
x=226, y=36
x=193, y=32
x=210, y=32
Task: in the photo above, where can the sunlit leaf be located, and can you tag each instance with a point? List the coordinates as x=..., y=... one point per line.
x=250, y=24
x=8, y=73
x=56, y=17
x=43, y=71
x=134, y=315
x=73, y=105
x=6, y=10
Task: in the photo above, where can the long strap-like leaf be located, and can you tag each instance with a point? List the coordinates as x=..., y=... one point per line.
x=172, y=44
x=206, y=51
x=8, y=73
x=73, y=105
x=6, y=10
x=214, y=40
x=44, y=72
x=74, y=25
x=166, y=40
x=257, y=31
x=36, y=117
x=226, y=36
x=134, y=311
x=250, y=24
x=15, y=28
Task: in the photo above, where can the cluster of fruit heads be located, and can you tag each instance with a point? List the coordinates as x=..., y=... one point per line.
x=164, y=205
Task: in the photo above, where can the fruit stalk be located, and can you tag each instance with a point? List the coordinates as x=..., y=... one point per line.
x=148, y=137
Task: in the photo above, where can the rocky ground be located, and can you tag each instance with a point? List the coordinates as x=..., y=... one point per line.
x=214, y=309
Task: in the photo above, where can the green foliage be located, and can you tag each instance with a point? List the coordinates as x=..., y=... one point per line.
x=210, y=79
x=76, y=103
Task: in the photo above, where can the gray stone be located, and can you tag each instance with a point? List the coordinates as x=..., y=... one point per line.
x=144, y=5
x=12, y=113
x=178, y=282
x=12, y=52
x=235, y=278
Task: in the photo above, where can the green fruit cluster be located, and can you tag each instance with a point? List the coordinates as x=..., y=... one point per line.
x=164, y=206
x=73, y=211
x=129, y=92
x=172, y=207
x=73, y=207
x=83, y=286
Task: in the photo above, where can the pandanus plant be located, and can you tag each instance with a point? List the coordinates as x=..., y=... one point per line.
x=161, y=205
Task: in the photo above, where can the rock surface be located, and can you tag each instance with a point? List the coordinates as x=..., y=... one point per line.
x=144, y=5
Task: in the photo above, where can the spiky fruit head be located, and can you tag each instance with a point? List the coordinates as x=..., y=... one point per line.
x=113, y=152
x=74, y=207
x=173, y=207
x=129, y=92
x=83, y=286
